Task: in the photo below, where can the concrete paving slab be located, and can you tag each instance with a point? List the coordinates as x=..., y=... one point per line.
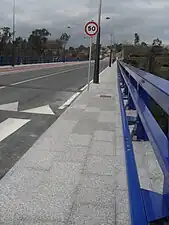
x=101, y=165
x=102, y=148
x=72, y=153
x=91, y=214
x=100, y=135
x=96, y=181
x=80, y=139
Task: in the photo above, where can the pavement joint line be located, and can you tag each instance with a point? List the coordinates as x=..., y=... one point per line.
x=42, y=77
x=70, y=100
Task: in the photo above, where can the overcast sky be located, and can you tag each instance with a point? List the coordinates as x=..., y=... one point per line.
x=147, y=17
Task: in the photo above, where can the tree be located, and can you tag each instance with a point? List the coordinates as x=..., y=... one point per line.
x=58, y=46
x=81, y=48
x=119, y=47
x=71, y=49
x=64, y=39
x=157, y=42
x=136, y=39
x=143, y=44
x=5, y=37
x=38, y=39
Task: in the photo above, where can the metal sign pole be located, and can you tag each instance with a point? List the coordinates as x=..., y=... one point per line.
x=90, y=57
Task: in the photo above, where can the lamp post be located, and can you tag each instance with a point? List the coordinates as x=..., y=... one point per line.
x=13, y=33
x=111, y=45
x=97, y=57
x=64, y=49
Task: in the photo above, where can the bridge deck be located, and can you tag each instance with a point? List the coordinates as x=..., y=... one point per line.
x=75, y=173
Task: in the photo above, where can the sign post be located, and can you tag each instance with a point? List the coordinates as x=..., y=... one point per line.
x=91, y=29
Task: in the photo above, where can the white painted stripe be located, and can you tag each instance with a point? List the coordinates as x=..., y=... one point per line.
x=40, y=110
x=83, y=88
x=45, y=76
x=69, y=101
x=2, y=87
x=13, y=106
x=11, y=125
x=103, y=70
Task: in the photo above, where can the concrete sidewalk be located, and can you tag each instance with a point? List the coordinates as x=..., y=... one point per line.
x=75, y=173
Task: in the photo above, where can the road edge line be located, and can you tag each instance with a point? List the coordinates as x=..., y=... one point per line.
x=70, y=100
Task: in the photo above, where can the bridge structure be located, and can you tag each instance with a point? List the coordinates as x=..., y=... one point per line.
x=75, y=173
x=136, y=89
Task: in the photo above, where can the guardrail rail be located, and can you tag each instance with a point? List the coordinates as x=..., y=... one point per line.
x=139, y=86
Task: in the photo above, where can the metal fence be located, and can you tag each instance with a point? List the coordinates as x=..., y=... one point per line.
x=140, y=87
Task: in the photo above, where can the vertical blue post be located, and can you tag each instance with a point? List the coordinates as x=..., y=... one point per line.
x=140, y=131
x=130, y=104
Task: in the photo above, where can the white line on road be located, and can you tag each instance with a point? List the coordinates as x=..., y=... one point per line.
x=13, y=106
x=11, y=125
x=70, y=100
x=42, y=77
x=49, y=75
x=83, y=88
x=40, y=110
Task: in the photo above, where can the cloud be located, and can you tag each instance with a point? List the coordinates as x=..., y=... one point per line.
x=147, y=17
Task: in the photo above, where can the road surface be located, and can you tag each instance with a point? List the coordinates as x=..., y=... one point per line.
x=30, y=102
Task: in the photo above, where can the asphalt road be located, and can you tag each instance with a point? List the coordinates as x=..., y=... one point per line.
x=42, y=91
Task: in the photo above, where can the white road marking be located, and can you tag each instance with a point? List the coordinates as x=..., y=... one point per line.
x=2, y=87
x=103, y=70
x=40, y=110
x=83, y=88
x=11, y=125
x=13, y=106
x=70, y=100
x=45, y=76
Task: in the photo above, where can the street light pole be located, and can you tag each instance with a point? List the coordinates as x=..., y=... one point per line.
x=13, y=33
x=111, y=49
x=64, y=49
x=112, y=44
x=97, y=57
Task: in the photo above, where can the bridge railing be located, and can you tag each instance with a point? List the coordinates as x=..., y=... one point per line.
x=145, y=206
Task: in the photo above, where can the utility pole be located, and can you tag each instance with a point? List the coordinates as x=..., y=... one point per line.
x=97, y=57
x=111, y=50
x=13, y=34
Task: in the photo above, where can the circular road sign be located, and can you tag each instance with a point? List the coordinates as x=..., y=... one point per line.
x=91, y=28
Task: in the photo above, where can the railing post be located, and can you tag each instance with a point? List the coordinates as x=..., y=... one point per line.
x=130, y=104
x=168, y=128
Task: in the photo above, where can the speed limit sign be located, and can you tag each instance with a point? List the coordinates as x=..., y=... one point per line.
x=91, y=28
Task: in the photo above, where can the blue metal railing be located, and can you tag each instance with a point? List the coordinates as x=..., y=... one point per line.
x=135, y=197
x=142, y=86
